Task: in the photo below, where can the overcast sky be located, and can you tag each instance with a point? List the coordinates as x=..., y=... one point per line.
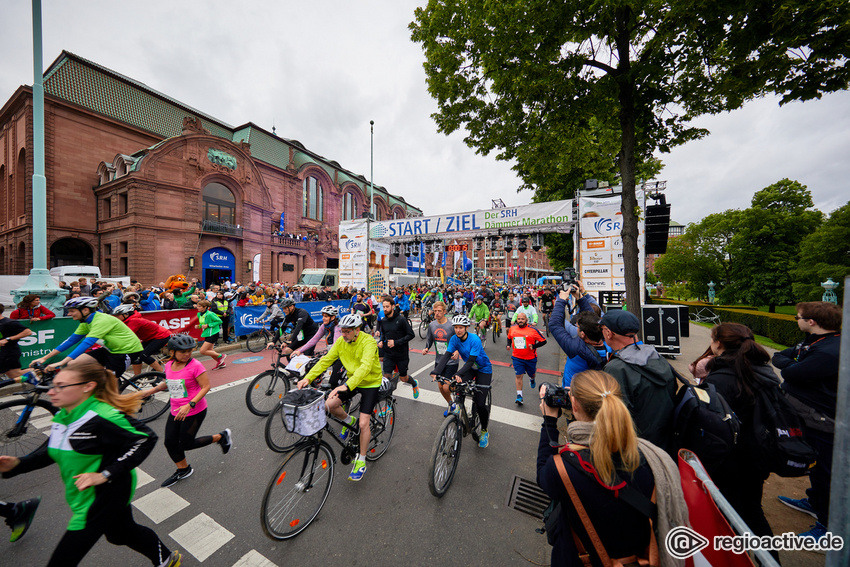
x=320, y=71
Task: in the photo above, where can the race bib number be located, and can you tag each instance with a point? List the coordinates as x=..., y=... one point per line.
x=519, y=343
x=441, y=347
x=177, y=389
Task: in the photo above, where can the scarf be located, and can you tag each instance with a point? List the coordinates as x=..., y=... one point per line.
x=670, y=500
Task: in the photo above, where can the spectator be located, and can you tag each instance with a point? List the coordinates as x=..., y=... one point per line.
x=168, y=301
x=810, y=374
x=604, y=452
x=85, y=288
x=646, y=380
x=31, y=308
x=584, y=347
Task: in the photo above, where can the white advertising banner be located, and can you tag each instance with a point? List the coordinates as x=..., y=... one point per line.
x=352, y=255
x=256, y=265
x=379, y=267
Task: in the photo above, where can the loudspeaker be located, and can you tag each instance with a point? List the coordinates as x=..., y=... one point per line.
x=657, y=228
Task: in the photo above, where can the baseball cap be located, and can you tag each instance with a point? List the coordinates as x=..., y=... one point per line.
x=621, y=322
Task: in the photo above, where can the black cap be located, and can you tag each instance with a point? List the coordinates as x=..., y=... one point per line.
x=621, y=322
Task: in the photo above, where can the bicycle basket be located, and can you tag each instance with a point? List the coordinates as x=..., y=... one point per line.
x=300, y=364
x=304, y=412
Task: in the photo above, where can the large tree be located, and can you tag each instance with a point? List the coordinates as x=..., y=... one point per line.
x=606, y=84
x=825, y=253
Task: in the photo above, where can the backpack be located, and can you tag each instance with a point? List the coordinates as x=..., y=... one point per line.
x=704, y=423
x=779, y=445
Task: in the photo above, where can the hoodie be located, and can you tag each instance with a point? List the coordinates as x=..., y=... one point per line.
x=649, y=388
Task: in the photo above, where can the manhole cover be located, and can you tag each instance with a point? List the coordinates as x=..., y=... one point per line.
x=526, y=497
x=247, y=359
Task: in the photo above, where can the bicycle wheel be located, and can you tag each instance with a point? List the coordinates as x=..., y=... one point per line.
x=445, y=456
x=495, y=332
x=278, y=438
x=475, y=419
x=266, y=390
x=382, y=424
x=257, y=341
x=423, y=329
x=19, y=439
x=152, y=406
x=297, y=491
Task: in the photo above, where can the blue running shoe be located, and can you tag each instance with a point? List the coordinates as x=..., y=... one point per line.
x=531, y=382
x=817, y=531
x=358, y=471
x=485, y=439
x=415, y=389
x=519, y=399
x=803, y=505
x=451, y=409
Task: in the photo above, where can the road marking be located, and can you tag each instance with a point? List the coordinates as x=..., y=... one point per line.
x=201, y=536
x=253, y=559
x=160, y=504
x=142, y=478
x=421, y=370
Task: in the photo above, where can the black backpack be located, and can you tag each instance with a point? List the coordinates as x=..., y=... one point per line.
x=778, y=434
x=704, y=423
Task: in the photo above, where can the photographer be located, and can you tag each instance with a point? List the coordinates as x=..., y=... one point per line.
x=625, y=486
x=586, y=350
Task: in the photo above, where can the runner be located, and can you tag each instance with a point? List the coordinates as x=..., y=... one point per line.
x=524, y=342
x=394, y=332
x=210, y=326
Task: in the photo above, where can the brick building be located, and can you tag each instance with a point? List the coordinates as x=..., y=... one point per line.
x=143, y=185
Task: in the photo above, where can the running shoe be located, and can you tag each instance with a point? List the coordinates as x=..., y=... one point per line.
x=345, y=431
x=21, y=517
x=226, y=441
x=519, y=399
x=415, y=389
x=174, y=560
x=485, y=439
x=451, y=409
x=179, y=474
x=531, y=382
x=803, y=505
x=357, y=471
x=817, y=531
x=220, y=363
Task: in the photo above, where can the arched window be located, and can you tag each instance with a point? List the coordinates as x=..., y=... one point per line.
x=219, y=204
x=349, y=206
x=313, y=199
x=2, y=201
x=21, y=260
x=21, y=184
x=398, y=213
x=71, y=252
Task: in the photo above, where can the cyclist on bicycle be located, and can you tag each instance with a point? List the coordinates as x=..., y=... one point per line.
x=153, y=336
x=272, y=314
x=358, y=352
x=119, y=342
x=480, y=313
x=459, y=304
x=403, y=303
x=547, y=301
x=303, y=326
x=528, y=309
x=511, y=305
x=476, y=367
x=330, y=331
x=440, y=331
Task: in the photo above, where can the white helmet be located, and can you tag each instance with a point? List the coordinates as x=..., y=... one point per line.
x=330, y=310
x=350, y=321
x=460, y=320
x=124, y=309
x=80, y=302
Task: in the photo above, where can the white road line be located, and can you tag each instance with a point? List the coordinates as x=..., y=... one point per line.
x=201, y=536
x=160, y=504
x=253, y=559
x=142, y=478
x=423, y=369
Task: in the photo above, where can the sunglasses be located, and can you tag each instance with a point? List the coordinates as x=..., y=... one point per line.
x=62, y=387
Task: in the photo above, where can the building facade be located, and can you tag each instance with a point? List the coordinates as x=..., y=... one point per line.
x=140, y=184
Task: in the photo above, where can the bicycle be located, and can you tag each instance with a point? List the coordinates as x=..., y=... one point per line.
x=258, y=340
x=152, y=406
x=497, y=327
x=546, y=321
x=705, y=315
x=446, y=452
x=267, y=389
x=481, y=331
x=425, y=321
x=22, y=421
x=288, y=506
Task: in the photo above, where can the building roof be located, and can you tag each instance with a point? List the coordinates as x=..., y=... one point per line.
x=92, y=86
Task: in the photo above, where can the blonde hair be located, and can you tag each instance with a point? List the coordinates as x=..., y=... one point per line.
x=614, y=432
x=439, y=304
x=106, y=389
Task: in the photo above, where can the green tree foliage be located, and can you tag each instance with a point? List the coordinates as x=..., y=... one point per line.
x=766, y=246
x=584, y=85
x=825, y=253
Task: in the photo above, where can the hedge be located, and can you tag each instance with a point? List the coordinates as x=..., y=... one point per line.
x=781, y=329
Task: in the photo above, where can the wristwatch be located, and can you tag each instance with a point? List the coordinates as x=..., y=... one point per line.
x=106, y=474
x=192, y=405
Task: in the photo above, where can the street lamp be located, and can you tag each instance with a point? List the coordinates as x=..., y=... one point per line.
x=711, y=285
x=829, y=287
x=250, y=266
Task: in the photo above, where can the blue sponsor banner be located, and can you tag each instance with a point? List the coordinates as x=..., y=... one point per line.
x=453, y=281
x=245, y=318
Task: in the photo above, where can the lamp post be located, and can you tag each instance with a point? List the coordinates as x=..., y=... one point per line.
x=829, y=287
x=711, y=285
x=39, y=281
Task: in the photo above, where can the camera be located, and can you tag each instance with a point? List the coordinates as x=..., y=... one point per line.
x=556, y=396
x=568, y=279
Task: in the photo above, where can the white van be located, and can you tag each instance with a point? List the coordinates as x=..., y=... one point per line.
x=319, y=277
x=91, y=273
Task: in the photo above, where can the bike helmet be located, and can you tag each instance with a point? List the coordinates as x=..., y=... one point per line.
x=80, y=302
x=477, y=297
x=270, y=299
x=330, y=310
x=458, y=295
x=460, y=320
x=350, y=321
x=286, y=302
x=181, y=342
x=229, y=295
x=124, y=309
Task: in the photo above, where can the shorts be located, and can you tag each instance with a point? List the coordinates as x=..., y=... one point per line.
x=524, y=366
x=117, y=363
x=151, y=347
x=212, y=339
x=10, y=361
x=450, y=371
x=368, y=398
x=391, y=361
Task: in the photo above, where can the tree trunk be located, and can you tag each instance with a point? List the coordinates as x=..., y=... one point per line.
x=629, y=204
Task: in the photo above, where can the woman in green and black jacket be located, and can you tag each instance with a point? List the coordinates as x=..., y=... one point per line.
x=210, y=325
x=97, y=447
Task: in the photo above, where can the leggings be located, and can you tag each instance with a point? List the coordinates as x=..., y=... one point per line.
x=120, y=529
x=180, y=435
x=480, y=398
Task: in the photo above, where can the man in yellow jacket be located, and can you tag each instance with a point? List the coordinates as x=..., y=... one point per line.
x=358, y=353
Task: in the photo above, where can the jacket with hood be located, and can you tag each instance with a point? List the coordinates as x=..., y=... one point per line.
x=397, y=329
x=648, y=387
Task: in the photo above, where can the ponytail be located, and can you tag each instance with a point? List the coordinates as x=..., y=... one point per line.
x=106, y=389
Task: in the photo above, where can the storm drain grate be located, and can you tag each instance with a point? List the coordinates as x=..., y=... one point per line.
x=526, y=497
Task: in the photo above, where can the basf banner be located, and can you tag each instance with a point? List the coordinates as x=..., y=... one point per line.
x=600, y=262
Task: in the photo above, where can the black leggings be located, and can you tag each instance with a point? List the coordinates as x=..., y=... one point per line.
x=480, y=397
x=180, y=435
x=119, y=529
